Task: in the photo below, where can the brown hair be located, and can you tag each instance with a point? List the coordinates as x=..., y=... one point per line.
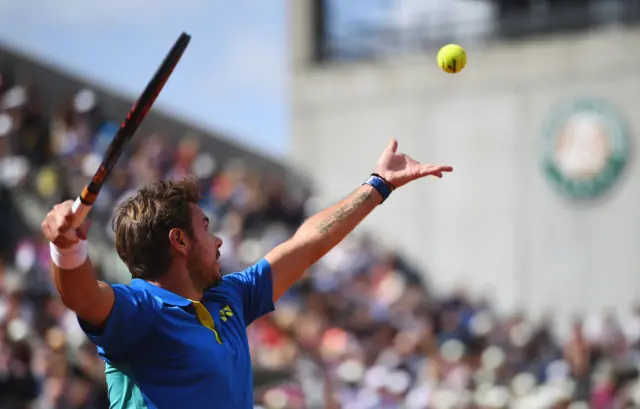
x=142, y=224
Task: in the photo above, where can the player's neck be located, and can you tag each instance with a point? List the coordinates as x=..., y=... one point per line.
x=180, y=285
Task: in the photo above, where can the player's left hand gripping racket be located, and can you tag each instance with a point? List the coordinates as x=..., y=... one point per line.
x=138, y=112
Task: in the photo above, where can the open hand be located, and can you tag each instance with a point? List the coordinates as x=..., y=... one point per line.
x=400, y=169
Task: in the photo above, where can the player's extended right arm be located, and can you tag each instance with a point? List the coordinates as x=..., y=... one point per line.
x=78, y=285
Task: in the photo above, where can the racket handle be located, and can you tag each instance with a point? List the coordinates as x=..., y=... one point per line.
x=80, y=213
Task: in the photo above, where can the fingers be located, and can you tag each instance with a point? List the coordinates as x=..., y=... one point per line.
x=46, y=229
x=57, y=226
x=83, y=230
x=62, y=221
x=54, y=233
x=445, y=168
x=393, y=145
x=435, y=170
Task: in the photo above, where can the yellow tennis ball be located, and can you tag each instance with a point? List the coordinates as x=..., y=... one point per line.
x=452, y=58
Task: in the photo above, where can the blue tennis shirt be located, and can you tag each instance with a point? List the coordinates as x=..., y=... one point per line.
x=158, y=355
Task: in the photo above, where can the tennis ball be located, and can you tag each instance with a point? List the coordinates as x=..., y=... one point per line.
x=452, y=58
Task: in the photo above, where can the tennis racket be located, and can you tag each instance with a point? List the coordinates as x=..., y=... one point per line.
x=84, y=202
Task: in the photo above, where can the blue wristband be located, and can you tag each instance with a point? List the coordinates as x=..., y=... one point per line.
x=380, y=185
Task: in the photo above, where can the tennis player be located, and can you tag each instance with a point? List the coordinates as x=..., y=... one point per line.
x=176, y=336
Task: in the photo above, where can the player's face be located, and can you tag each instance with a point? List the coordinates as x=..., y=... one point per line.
x=203, y=257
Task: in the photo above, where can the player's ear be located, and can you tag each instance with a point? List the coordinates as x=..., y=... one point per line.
x=179, y=240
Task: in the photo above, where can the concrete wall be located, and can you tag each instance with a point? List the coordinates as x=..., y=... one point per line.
x=495, y=224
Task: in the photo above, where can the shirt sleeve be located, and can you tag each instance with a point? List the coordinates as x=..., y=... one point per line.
x=254, y=287
x=132, y=317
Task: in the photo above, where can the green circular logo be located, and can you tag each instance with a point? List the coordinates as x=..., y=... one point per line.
x=586, y=148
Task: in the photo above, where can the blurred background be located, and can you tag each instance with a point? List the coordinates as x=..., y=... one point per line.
x=512, y=283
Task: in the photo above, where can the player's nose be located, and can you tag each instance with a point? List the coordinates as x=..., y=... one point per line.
x=218, y=242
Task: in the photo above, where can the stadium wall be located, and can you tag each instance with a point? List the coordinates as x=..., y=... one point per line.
x=497, y=226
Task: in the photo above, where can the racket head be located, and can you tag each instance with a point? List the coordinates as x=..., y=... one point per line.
x=128, y=127
x=135, y=116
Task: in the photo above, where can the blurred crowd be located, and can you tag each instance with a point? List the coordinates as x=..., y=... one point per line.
x=375, y=339
x=360, y=330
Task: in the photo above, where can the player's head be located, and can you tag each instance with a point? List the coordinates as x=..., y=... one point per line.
x=162, y=228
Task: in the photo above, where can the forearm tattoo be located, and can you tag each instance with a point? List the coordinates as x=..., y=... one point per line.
x=343, y=212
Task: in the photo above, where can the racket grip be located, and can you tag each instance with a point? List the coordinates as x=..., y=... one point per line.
x=80, y=213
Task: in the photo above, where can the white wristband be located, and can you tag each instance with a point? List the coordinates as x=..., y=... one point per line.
x=69, y=258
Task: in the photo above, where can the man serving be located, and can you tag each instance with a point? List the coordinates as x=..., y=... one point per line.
x=176, y=336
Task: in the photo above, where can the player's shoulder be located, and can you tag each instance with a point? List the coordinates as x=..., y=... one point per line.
x=225, y=292
x=258, y=268
x=233, y=283
x=226, y=285
x=136, y=294
x=246, y=276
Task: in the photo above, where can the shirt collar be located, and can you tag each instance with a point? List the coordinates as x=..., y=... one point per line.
x=167, y=297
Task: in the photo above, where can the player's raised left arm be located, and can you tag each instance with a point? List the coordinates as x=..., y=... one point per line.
x=323, y=231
